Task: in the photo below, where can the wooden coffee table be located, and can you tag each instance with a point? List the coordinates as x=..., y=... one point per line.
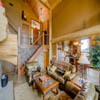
x=46, y=86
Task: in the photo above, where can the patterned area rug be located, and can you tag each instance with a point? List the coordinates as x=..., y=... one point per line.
x=24, y=92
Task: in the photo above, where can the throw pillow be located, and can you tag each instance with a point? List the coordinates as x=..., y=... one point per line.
x=53, y=68
x=72, y=68
x=66, y=73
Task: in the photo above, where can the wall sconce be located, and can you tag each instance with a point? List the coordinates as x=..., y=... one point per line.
x=76, y=43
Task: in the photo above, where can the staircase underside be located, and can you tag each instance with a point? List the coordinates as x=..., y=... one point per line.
x=8, y=49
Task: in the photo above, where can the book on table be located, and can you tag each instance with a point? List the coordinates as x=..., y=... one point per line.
x=44, y=78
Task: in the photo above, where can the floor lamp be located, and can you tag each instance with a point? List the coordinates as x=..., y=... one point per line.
x=83, y=60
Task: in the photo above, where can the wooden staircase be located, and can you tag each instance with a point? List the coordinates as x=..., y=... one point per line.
x=31, y=53
x=36, y=54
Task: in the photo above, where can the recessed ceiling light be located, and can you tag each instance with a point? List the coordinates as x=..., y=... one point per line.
x=11, y=4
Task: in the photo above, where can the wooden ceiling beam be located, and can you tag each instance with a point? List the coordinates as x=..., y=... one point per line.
x=83, y=33
x=32, y=5
x=46, y=5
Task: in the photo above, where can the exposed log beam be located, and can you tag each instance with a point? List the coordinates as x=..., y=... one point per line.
x=48, y=5
x=83, y=33
x=33, y=6
x=45, y=4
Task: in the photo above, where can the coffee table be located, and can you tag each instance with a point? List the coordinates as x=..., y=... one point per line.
x=77, y=81
x=47, y=86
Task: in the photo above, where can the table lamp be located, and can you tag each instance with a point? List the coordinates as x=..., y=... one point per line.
x=83, y=60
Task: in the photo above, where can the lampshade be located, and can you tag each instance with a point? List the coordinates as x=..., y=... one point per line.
x=83, y=60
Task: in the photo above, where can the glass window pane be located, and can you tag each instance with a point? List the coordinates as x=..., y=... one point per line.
x=85, y=45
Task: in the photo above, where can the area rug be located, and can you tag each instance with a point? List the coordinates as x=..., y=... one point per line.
x=24, y=92
x=60, y=96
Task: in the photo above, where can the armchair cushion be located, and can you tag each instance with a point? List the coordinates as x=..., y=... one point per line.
x=32, y=66
x=61, y=79
x=70, y=76
x=58, y=70
x=53, y=68
x=72, y=68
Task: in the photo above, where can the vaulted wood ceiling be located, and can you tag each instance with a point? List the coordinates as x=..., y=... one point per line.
x=41, y=7
x=50, y=3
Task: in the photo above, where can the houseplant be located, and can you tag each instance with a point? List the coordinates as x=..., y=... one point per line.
x=95, y=53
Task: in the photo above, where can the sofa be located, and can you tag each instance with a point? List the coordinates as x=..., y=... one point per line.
x=61, y=71
x=87, y=92
x=71, y=88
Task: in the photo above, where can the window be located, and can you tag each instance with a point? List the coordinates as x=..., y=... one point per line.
x=85, y=45
x=34, y=31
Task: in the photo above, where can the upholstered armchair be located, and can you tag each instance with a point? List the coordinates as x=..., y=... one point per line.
x=32, y=71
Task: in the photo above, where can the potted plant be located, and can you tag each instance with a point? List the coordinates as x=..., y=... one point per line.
x=95, y=53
